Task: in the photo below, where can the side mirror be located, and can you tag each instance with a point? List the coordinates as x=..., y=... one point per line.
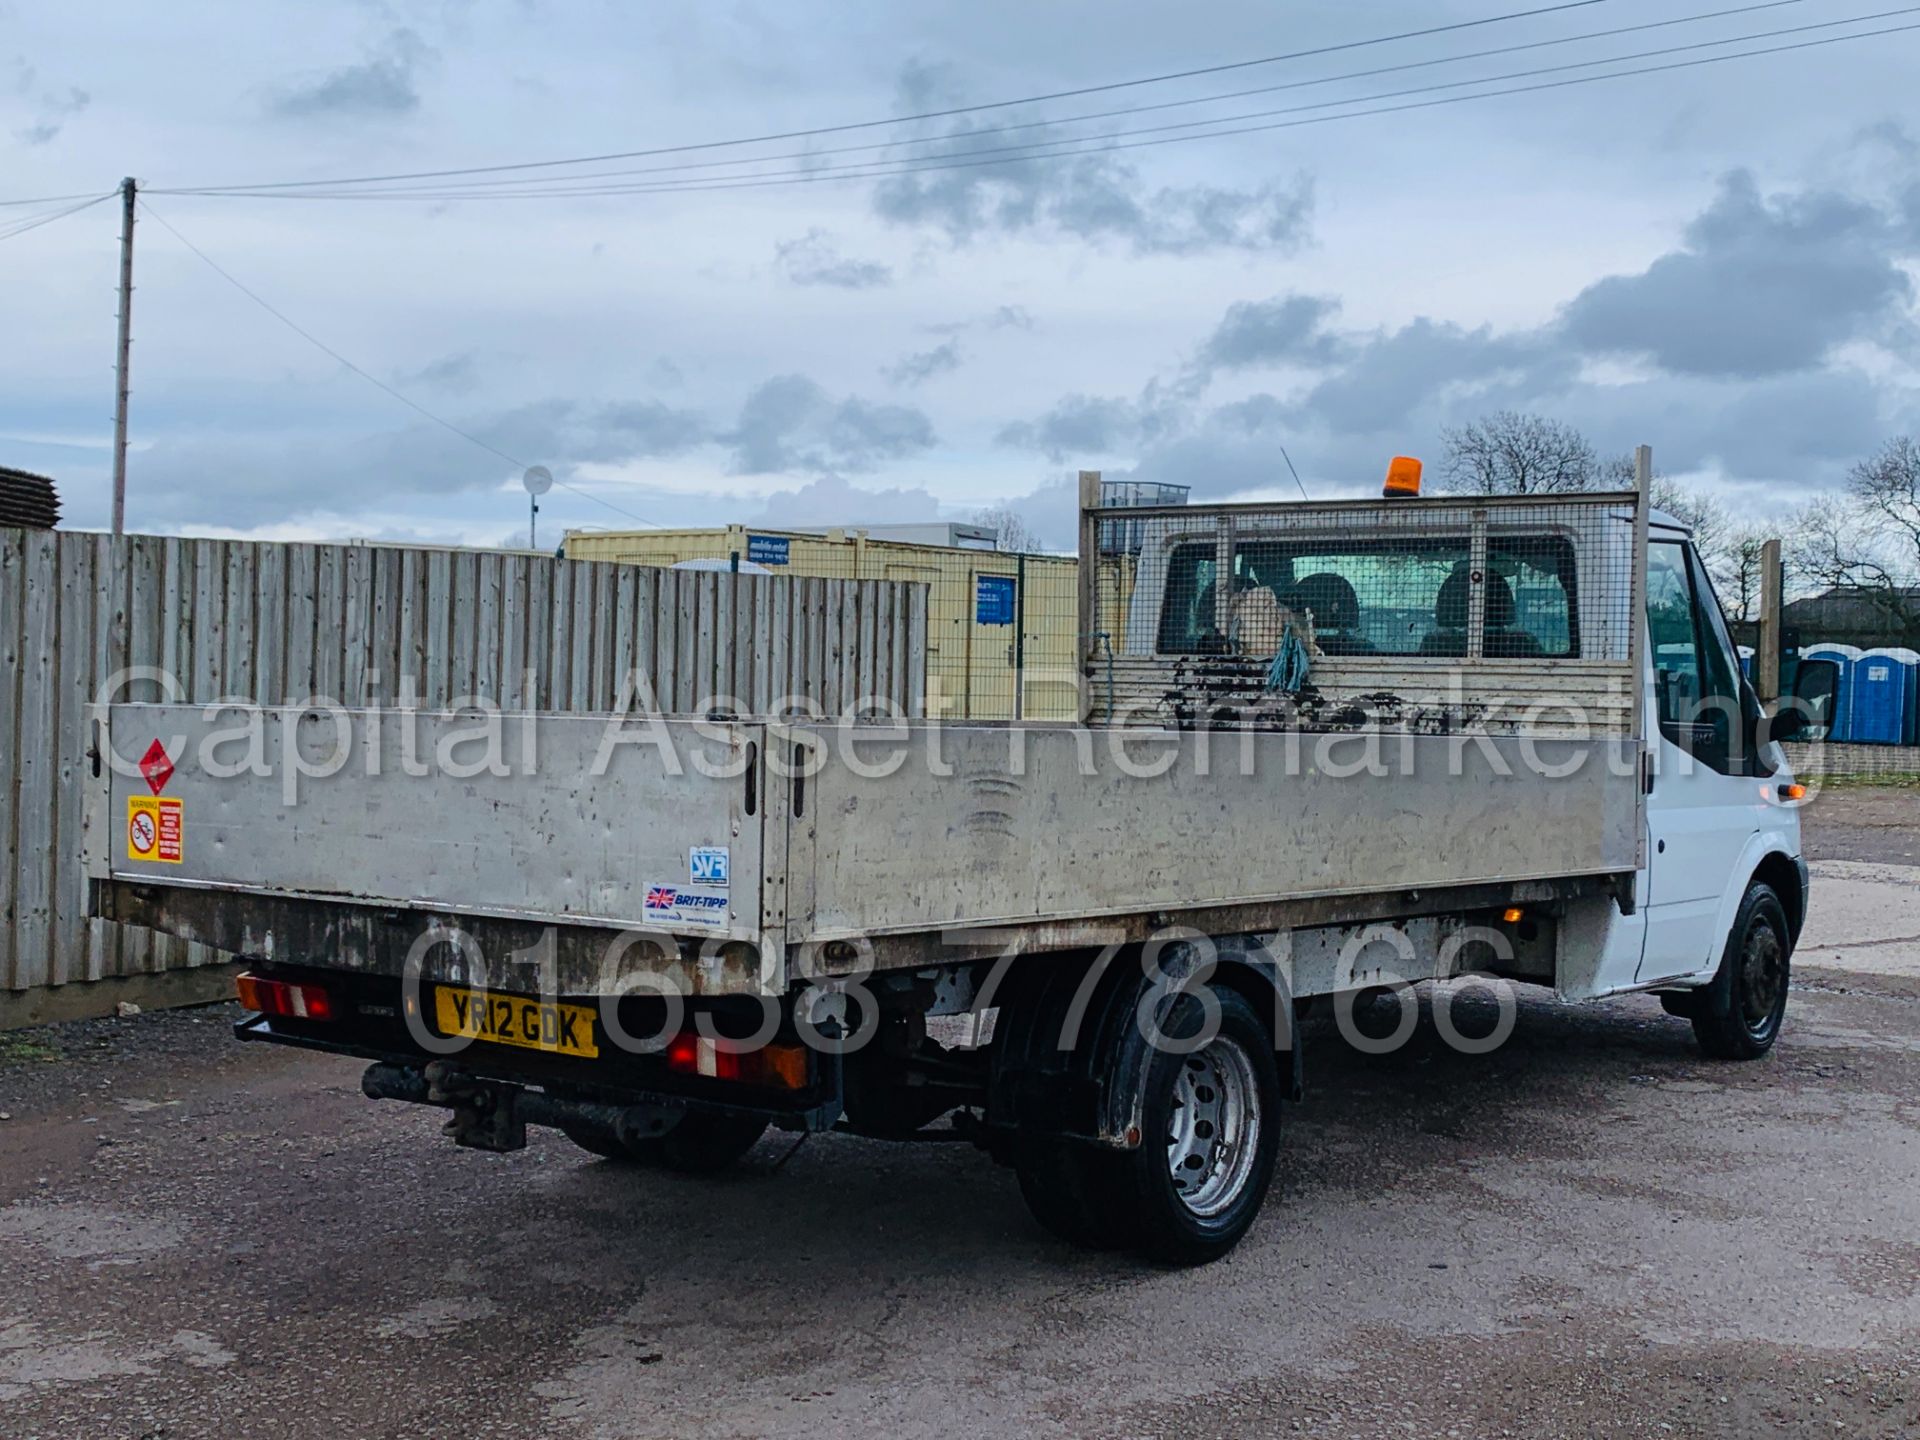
x=1807, y=713
x=1791, y=723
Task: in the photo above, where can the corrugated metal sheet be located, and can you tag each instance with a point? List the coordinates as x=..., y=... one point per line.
x=372, y=625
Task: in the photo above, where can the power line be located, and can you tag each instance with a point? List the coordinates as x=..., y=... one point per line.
x=45, y=199
x=555, y=183
x=976, y=133
x=923, y=115
x=371, y=379
x=1093, y=145
x=564, y=187
x=35, y=222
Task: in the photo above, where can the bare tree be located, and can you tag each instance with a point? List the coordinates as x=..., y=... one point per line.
x=1868, y=541
x=1700, y=512
x=1739, y=571
x=1513, y=454
x=1730, y=552
x=1010, y=528
x=1508, y=453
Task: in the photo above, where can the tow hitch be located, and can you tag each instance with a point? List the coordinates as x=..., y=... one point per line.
x=492, y=1115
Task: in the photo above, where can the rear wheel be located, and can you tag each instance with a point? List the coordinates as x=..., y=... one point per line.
x=1209, y=1125
x=1212, y=1124
x=1077, y=1193
x=698, y=1145
x=1754, y=973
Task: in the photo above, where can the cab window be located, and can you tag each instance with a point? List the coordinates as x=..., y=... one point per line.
x=1698, y=698
x=1670, y=631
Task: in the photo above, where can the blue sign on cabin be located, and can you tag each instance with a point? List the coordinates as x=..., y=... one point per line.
x=767, y=549
x=993, y=599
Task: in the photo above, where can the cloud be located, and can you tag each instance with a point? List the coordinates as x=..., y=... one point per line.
x=637, y=429
x=789, y=423
x=451, y=374
x=277, y=473
x=1738, y=332
x=1763, y=285
x=813, y=260
x=1004, y=317
x=52, y=108
x=1286, y=330
x=1079, y=426
x=925, y=365
x=1741, y=320
x=1097, y=197
x=1391, y=375
x=383, y=85
x=833, y=500
x=280, y=472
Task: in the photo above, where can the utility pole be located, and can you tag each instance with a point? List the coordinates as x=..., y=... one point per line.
x=128, y=191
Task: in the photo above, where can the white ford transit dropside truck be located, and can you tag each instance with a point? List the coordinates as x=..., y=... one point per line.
x=1327, y=749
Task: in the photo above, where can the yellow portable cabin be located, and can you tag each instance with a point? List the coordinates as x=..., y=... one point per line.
x=1000, y=626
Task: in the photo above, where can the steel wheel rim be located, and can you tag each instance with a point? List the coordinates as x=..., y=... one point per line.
x=1213, y=1127
x=1761, y=964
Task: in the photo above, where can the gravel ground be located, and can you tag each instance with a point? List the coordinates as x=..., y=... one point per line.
x=1873, y=825
x=1592, y=1231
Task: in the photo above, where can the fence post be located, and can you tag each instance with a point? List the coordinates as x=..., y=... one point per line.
x=1089, y=577
x=1766, y=659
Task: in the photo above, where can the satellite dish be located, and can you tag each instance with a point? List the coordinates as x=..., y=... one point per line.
x=538, y=480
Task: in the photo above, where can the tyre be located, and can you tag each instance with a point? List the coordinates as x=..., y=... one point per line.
x=1212, y=1126
x=1080, y=1195
x=1738, y=1017
x=700, y=1144
x=597, y=1140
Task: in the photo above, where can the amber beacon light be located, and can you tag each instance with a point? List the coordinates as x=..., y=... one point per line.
x=1403, y=477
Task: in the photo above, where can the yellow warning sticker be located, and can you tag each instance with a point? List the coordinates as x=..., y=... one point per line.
x=156, y=829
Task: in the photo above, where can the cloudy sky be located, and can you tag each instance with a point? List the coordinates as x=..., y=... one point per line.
x=1717, y=260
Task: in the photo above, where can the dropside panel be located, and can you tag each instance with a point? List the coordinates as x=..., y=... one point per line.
x=1022, y=824
x=577, y=819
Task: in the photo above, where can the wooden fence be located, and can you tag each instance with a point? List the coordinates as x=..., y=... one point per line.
x=371, y=625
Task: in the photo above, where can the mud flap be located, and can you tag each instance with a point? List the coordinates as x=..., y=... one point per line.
x=1062, y=1067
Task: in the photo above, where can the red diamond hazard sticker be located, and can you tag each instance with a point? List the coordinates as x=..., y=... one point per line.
x=157, y=766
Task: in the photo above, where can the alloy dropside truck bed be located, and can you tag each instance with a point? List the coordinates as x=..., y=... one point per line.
x=905, y=840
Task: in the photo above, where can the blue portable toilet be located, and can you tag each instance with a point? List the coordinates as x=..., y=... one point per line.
x=1844, y=657
x=1746, y=661
x=1884, y=696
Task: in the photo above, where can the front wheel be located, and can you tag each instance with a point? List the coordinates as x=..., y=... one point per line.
x=1739, y=1017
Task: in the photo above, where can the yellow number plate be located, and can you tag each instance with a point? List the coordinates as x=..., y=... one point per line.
x=514, y=1020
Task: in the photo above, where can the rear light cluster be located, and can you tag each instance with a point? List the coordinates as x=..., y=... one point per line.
x=282, y=997
x=781, y=1066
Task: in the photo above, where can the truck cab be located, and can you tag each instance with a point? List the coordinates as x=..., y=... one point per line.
x=1443, y=608
x=1724, y=872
